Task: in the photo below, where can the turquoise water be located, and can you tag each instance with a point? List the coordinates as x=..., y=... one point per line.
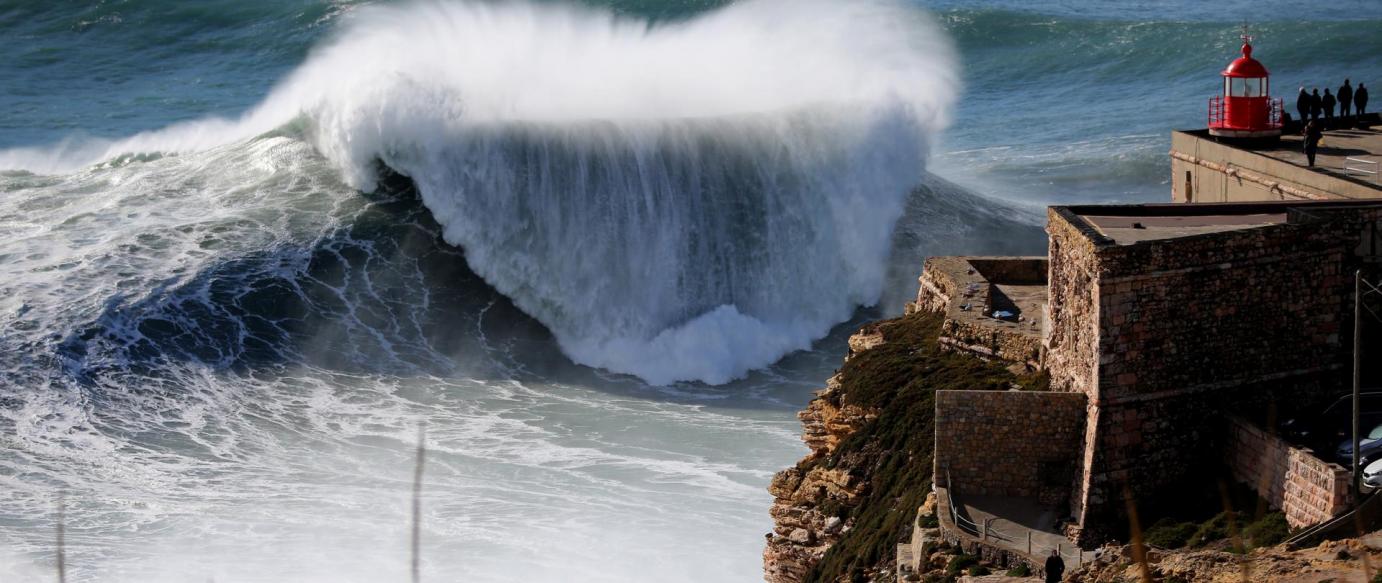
x=603, y=254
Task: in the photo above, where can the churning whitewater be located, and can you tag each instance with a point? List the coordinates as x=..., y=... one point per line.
x=684, y=200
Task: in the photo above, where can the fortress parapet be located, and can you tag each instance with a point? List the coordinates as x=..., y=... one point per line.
x=968, y=291
x=1166, y=319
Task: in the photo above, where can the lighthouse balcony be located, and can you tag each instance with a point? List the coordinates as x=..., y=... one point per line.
x=1245, y=117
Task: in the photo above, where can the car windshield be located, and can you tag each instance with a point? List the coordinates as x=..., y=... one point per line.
x=1376, y=433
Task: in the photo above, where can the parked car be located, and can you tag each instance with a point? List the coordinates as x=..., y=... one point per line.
x=1372, y=474
x=1322, y=428
x=1369, y=445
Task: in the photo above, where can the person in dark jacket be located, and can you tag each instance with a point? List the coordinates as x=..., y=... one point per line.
x=1055, y=567
x=1360, y=99
x=1313, y=135
x=1303, y=105
x=1345, y=99
x=1315, y=106
x=1328, y=104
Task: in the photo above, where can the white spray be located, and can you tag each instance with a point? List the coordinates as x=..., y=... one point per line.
x=678, y=201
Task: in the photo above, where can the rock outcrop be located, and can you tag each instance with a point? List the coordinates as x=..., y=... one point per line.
x=1345, y=560
x=841, y=512
x=808, y=496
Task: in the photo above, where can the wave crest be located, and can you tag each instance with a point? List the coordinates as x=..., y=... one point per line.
x=680, y=201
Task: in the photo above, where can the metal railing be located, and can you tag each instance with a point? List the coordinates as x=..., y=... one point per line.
x=1361, y=166
x=1275, y=107
x=1216, y=110
x=1022, y=543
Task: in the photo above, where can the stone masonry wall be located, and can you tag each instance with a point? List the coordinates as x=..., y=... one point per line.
x=1072, y=318
x=1187, y=328
x=938, y=286
x=1213, y=311
x=1009, y=443
x=1307, y=489
x=1017, y=270
x=984, y=339
x=1152, y=450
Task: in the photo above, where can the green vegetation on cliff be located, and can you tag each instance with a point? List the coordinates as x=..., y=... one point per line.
x=893, y=452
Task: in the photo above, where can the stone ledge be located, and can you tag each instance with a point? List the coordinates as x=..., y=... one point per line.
x=967, y=290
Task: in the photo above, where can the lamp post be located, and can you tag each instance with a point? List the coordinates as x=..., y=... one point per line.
x=1357, y=372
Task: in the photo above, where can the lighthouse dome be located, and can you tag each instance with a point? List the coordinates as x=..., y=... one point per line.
x=1246, y=66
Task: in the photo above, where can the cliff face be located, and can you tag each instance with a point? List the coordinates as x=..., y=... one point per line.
x=841, y=511
x=807, y=496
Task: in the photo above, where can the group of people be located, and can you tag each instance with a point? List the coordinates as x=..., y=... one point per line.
x=1349, y=100
x=1310, y=105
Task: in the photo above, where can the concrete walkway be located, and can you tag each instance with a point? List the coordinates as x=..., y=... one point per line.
x=1013, y=523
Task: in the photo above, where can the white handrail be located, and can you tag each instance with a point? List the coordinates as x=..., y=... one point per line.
x=1360, y=166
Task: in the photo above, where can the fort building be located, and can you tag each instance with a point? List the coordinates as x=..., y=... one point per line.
x=1169, y=331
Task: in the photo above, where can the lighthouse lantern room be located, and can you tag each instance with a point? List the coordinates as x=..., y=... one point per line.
x=1246, y=109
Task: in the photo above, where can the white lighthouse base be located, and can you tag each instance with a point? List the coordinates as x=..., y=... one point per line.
x=1251, y=134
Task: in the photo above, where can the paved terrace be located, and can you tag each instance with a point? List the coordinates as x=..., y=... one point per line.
x=1332, y=158
x=969, y=290
x=987, y=290
x=1206, y=169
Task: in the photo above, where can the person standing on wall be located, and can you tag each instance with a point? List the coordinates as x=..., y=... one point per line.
x=1303, y=105
x=1345, y=99
x=1315, y=106
x=1328, y=104
x=1055, y=567
x=1313, y=134
x=1360, y=99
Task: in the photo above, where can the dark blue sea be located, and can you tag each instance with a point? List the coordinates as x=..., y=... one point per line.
x=601, y=253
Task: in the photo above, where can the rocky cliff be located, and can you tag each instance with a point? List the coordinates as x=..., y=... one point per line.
x=807, y=497
x=840, y=512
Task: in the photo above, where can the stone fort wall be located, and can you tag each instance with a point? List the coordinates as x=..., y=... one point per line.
x=1009, y=443
x=1211, y=311
x=1165, y=335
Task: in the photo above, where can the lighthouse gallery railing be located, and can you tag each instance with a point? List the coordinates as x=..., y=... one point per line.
x=1216, y=112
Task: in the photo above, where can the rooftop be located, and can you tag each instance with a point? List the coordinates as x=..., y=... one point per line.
x=1137, y=223
x=1129, y=230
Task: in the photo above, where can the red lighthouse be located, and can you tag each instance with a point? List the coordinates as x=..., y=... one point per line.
x=1246, y=109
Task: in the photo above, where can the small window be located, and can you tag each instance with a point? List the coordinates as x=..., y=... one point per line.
x=1240, y=87
x=1253, y=87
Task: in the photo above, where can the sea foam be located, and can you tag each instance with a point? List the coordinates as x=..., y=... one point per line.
x=683, y=200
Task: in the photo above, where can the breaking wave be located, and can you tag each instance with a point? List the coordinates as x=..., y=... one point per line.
x=682, y=200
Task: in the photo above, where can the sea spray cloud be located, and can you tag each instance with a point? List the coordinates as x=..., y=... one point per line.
x=679, y=201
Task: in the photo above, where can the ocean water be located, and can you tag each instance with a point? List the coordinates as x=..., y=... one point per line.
x=602, y=252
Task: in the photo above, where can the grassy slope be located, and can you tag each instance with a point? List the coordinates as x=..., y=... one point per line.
x=894, y=451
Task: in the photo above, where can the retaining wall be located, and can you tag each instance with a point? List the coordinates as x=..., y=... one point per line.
x=1306, y=488
x=1010, y=443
